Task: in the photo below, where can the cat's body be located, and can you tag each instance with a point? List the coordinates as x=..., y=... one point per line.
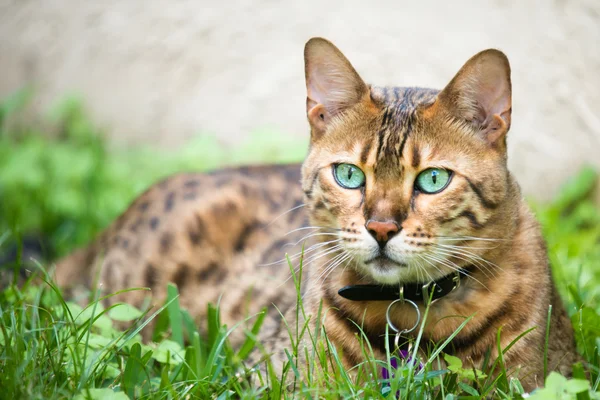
x=400, y=185
x=221, y=237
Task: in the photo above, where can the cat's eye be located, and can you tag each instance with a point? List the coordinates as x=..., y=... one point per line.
x=433, y=180
x=348, y=176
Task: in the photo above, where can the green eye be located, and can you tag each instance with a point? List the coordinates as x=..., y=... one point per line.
x=348, y=176
x=433, y=180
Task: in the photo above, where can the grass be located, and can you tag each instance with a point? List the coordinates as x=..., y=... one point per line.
x=68, y=188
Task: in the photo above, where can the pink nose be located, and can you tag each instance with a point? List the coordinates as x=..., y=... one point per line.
x=382, y=231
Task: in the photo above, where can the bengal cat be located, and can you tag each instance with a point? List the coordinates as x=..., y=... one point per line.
x=401, y=187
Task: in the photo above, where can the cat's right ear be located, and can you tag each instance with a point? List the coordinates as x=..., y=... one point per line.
x=332, y=83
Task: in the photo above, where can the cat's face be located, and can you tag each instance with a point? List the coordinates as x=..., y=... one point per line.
x=400, y=178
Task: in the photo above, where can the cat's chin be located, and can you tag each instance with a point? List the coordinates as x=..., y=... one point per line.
x=386, y=271
x=393, y=276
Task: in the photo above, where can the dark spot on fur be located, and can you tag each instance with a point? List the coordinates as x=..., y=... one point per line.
x=211, y=271
x=125, y=243
x=143, y=206
x=320, y=205
x=192, y=183
x=245, y=234
x=136, y=225
x=197, y=230
x=154, y=221
x=151, y=276
x=166, y=240
x=181, y=275
x=169, y=201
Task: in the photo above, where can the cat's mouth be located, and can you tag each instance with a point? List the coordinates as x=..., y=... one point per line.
x=382, y=261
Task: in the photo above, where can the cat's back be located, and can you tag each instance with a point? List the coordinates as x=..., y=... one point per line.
x=208, y=233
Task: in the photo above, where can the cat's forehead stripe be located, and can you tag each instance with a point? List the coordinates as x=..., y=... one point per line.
x=400, y=105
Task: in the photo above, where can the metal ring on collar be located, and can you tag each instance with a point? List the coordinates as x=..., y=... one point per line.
x=389, y=320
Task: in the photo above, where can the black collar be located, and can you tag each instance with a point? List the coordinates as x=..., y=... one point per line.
x=410, y=291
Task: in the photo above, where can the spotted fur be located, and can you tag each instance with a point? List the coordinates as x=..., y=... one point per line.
x=222, y=234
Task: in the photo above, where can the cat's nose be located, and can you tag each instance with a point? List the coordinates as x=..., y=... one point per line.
x=382, y=231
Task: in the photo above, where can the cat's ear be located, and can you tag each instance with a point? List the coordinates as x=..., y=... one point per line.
x=480, y=94
x=332, y=83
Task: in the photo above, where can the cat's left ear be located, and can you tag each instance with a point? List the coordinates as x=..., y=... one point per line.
x=480, y=94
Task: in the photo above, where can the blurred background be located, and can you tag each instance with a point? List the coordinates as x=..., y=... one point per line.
x=99, y=99
x=163, y=72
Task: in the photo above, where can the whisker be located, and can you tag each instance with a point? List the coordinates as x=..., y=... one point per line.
x=464, y=238
x=313, y=258
x=333, y=263
x=311, y=227
x=468, y=247
x=349, y=259
x=421, y=267
x=433, y=265
x=461, y=250
x=313, y=235
x=286, y=212
x=310, y=249
x=453, y=267
x=485, y=269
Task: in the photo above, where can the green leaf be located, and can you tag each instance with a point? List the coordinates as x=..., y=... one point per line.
x=454, y=363
x=124, y=312
x=101, y=394
x=132, y=374
x=468, y=389
x=555, y=382
x=98, y=342
x=575, y=386
x=169, y=352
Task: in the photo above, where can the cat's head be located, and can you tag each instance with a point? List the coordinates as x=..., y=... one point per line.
x=402, y=179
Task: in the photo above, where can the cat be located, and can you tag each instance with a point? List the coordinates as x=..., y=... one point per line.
x=404, y=193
